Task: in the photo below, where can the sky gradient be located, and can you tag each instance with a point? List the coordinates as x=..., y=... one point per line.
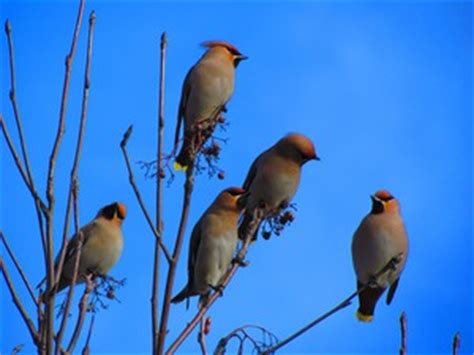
x=384, y=89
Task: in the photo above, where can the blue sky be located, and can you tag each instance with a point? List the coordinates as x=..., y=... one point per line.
x=384, y=89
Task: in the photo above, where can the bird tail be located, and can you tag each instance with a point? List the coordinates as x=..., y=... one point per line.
x=245, y=226
x=183, y=159
x=367, y=302
x=181, y=296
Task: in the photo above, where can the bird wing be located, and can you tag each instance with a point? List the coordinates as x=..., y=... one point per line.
x=182, y=105
x=253, y=171
x=73, y=244
x=193, y=252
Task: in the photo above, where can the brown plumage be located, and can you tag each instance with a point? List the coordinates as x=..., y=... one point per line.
x=380, y=237
x=274, y=177
x=101, y=248
x=207, y=88
x=213, y=242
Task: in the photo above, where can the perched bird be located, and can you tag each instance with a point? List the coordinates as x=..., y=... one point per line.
x=101, y=248
x=213, y=242
x=207, y=88
x=380, y=237
x=274, y=177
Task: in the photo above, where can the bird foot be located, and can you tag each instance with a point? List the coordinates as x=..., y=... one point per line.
x=218, y=289
x=241, y=262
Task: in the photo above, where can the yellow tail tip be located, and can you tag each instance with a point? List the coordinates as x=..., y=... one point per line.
x=364, y=318
x=178, y=167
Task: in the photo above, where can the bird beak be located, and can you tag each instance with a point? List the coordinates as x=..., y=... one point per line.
x=241, y=57
x=316, y=158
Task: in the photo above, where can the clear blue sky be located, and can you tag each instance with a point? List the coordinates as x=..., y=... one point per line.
x=383, y=89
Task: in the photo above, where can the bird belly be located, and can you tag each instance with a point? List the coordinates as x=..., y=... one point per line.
x=213, y=262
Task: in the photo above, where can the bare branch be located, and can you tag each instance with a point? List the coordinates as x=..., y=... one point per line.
x=456, y=343
x=18, y=303
x=19, y=268
x=188, y=190
x=159, y=189
x=242, y=335
x=90, y=284
x=202, y=336
x=50, y=275
x=238, y=261
x=389, y=266
x=403, y=332
x=131, y=179
x=19, y=164
x=73, y=183
x=77, y=260
x=87, y=350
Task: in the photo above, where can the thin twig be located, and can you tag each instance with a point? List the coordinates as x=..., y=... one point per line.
x=18, y=303
x=86, y=350
x=19, y=268
x=159, y=189
x=83, y=308
x=39, y=204
x=188, y=190
x=456, y=343
x=235, y=265
x=50, y=275
x=77, y=156
x=131, y=179
x=389, y=266
x=403, y=334
x=18, y=163
x=77, y=259
x=268, y=339
x=202, y=336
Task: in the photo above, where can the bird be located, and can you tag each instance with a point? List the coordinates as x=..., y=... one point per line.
x=101, y=249
x=274, y=177
x=207, y=87
x=212, y=245
x=380, y=237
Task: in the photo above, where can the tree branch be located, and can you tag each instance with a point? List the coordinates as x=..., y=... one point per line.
x=238, y=261
x=19, y=164
x=131, y=179
x=19, y=268
x=159, y=188
x=389, y=266
x=202, y=336
x=82, y=313
x=18, y=303
x=73, y=182
x=403, y=332
x=188, y=190
x=50, y=275
x=86, y=350
x=77, y=261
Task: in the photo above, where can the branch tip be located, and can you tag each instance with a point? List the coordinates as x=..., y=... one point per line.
x=8, y=27
x=126, y=136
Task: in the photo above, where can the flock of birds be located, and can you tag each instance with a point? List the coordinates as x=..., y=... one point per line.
x=270, y=185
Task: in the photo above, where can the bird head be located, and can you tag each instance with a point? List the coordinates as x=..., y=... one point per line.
x=116, y=211
x=383, y=201
x=231, y=197
x=227, y=49
x=299, y=147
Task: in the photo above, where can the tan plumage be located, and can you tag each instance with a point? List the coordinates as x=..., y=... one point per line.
x=274, y=176
x=207, y=88
x=212, y=245
x=102, y=245
x=380, y=237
